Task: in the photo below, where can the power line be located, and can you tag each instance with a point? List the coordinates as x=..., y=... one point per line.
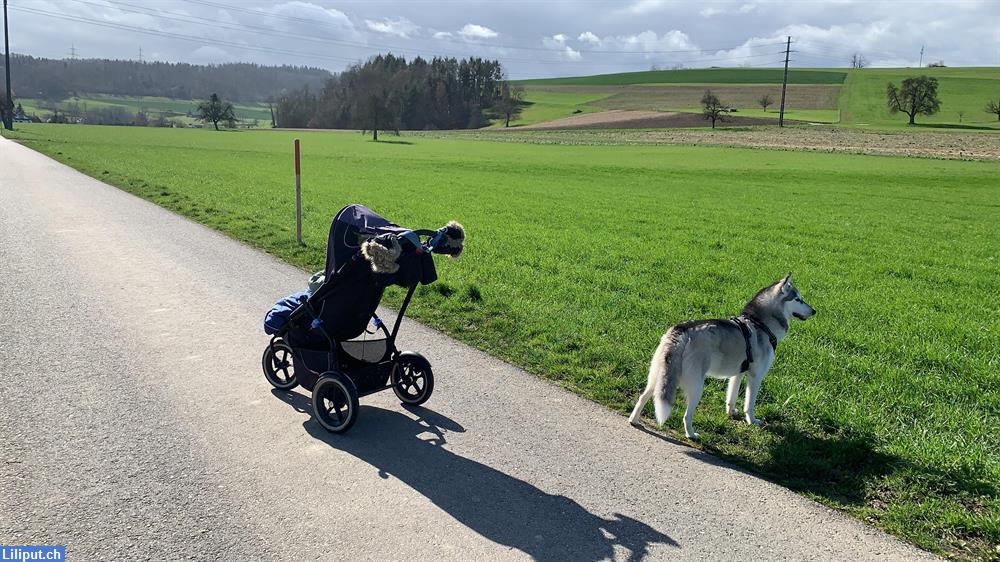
x=174, y=16
x=262, y=13
x=222, y=42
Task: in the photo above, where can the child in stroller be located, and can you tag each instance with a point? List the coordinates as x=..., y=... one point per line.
x=314, y=334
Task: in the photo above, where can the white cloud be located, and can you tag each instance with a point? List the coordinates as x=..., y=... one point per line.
x=401, y=27
x=558, y=41
x=588, y=37
x=710, y=12
x=645, y=6
x=327, y=21
x=648, y=42
x=474, y=31
x=443, y=35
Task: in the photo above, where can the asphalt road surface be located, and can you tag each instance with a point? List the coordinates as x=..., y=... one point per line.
x=135, y=423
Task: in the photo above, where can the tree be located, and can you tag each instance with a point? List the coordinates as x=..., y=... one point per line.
x=509, y=103
x=215, y=110
x=917, y=95
x=712, y=108
x=765, y=101
x=993, y=106
x=858, y=61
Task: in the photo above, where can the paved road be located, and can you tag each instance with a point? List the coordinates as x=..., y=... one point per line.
x=135, y=423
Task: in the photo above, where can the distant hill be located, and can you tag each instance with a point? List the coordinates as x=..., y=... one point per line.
x=700, y=76
x=54, y=79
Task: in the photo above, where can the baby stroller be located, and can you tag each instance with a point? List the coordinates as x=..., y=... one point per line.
x=315, y=334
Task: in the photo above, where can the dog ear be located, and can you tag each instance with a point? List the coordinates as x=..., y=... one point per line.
x=783, y=284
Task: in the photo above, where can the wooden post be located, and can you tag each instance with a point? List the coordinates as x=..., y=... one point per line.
x=298, y=195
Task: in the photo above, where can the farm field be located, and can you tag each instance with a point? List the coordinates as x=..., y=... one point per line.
x=960, y=89
x=847, y=97
x=884, y=406
x=952, y=144
x=171, y=108
x=542, y=105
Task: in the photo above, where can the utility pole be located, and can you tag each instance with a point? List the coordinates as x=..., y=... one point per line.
x=8, y=112
x=72, y=52
x=921, y=63
x=140, y=54
x=784, y=83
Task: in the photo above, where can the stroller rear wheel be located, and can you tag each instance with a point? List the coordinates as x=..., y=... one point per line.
x=335, y=402
x=412, y=378
x=277, y=364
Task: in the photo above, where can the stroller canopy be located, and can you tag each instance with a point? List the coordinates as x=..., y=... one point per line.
x=351, y=227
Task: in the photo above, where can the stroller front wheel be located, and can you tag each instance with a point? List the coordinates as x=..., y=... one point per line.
x=412, y=378
x=335, y=402
x=277, y=364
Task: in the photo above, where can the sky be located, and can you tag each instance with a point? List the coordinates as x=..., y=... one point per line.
x=531, y=38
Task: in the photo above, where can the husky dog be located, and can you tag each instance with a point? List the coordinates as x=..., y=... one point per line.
x=724, y=349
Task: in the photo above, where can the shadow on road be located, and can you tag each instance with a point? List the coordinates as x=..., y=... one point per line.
x=501, y=508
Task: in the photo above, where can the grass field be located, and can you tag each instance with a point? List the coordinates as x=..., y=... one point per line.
x=702, y=76
x=544, y=106
x=814, y=95
x=171, y=108
x=960, y=89
x=885, y=406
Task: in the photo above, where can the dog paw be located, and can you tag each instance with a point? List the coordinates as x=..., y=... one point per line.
x=694, y=436
x=634, y=422
x=734, y=414
x=755, y=421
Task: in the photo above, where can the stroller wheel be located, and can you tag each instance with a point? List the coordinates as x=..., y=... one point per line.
x=335, y=402
x=278, y=368
x=412, y=378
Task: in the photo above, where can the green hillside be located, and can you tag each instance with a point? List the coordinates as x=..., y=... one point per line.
x=702, y=76
x=154, y=106
x=967, y=90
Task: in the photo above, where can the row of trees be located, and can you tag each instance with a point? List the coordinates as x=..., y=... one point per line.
x=53, y=79
x=388, y=93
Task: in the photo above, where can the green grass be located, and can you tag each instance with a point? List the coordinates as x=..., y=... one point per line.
x=885, y=406
x=541, y=106
x=960, y=89
x=153, y=105
x=702, y=75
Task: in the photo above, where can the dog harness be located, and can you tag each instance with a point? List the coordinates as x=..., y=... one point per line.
x=741, y=322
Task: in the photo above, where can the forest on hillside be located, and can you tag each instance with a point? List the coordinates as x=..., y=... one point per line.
x=57, y=79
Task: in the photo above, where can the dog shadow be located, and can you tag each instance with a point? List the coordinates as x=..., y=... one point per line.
x=499, y=507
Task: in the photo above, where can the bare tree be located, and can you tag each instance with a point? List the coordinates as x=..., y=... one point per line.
x=858, y=61
x=993, y=106
x=214, y=109
x=509, y=104
x=961, y=114
x=765, y=101
x=917, y=95
x=712, y=108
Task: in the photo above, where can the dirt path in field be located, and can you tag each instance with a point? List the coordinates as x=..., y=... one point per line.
x=622, y=119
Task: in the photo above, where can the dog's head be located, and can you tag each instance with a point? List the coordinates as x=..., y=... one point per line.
x=791, y=299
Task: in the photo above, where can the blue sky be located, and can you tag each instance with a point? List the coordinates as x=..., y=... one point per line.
x=532, y=39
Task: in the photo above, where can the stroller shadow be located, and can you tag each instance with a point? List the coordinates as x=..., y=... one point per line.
x=500, y=507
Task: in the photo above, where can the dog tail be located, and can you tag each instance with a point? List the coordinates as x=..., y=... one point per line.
x=665, y=369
